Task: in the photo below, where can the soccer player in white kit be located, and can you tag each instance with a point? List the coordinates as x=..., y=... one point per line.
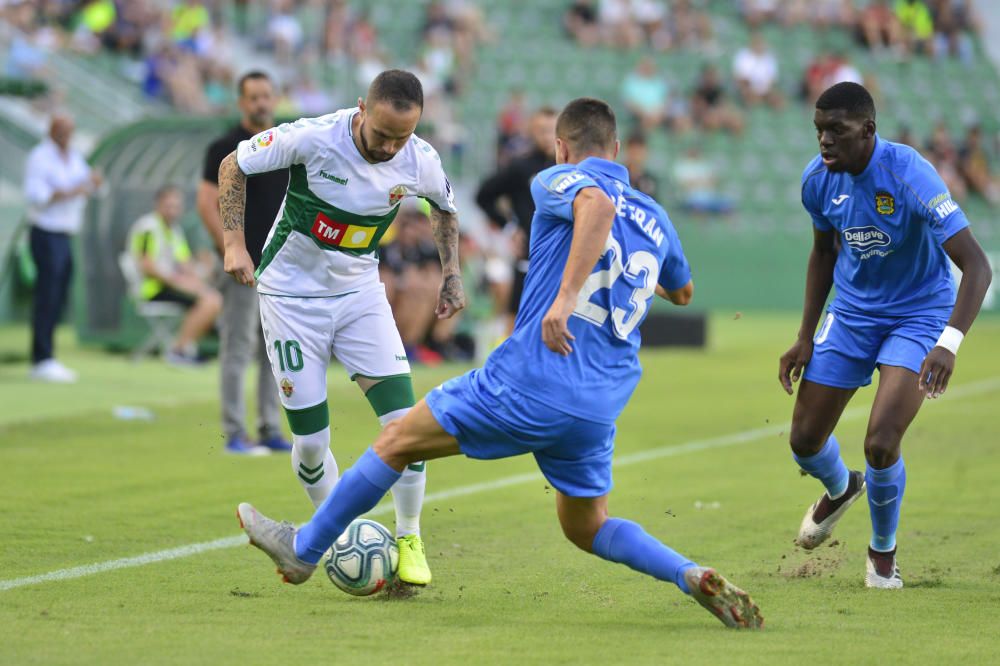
x=320, y=293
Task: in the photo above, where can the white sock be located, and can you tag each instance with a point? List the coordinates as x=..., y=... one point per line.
x=408, y=492
x=314, y=465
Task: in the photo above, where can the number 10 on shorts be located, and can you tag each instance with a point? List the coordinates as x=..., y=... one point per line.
x=289, y=355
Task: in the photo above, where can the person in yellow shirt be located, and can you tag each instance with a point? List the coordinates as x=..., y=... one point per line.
x=170, y=275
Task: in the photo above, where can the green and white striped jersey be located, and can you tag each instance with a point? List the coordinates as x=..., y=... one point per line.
x=337, y=205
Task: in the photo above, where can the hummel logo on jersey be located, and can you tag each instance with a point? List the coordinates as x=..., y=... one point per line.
x=841, y=199
x=945, y=209
x=865, y=238
x=562, y=182
x=330, y=176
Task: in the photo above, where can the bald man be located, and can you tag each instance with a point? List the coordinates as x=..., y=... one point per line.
x=57, y=182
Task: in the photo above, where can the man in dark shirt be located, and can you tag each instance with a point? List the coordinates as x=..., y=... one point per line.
x=513, y=183
x=239, y=324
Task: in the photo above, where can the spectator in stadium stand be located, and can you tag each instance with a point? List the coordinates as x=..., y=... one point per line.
x=710, y=107
x=825, y=70
x=513, y=183
x=636, y=154
x=239, y=326
x=647, y=97
x=697, y=180
x=941, y=152
x=618, y=24
x=918, y=26
x=580, y=21
x=511, y=122
x=878, y=28
x=755, y=69
x=954, y=23
x=57, y=182
x=170, y=275
x=974, y=165
x=410, y=268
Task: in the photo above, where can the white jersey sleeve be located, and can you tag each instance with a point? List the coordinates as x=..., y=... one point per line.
x=432, y=183
x=274, y=149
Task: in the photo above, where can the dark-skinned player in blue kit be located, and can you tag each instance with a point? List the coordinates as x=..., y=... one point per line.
x=599, y=252
x=885, y=226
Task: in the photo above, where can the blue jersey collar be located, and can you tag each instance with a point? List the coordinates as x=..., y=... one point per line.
x=605, y=168
x=876, y=156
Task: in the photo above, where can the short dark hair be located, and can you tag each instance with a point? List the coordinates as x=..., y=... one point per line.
x=397, y=87
x=636, y=138
x=587, y=124
x=546, y=110
x=168, y=188
x=850, y=97
x=252, y=75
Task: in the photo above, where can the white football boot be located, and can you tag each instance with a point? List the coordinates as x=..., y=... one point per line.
x=882, y=572
x=813, y=533
x=730, y=604
x=52, y=371
x=277, y=540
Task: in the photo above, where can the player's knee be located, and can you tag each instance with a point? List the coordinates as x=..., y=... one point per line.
x=882, y=446
x=313, y=445
x=580, y=535
x=391, y=445
x=805, y=441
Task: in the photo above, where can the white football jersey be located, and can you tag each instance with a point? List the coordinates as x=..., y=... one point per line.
x=337, y=205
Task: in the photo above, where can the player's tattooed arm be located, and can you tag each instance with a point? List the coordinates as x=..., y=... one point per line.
x=232, y=207
x=451, y=298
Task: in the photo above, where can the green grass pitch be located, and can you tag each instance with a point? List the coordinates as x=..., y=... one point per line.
x=705, y=466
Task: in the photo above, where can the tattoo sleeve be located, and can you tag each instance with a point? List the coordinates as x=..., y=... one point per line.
x=232, y=194
x=445, y=228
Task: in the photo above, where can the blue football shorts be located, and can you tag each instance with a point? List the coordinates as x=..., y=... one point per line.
x=492, y=420
x=850, y=345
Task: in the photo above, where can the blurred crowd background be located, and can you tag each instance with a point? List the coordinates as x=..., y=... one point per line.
x=714, y=100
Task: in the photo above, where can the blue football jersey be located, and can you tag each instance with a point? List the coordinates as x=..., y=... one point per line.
x=597, y=379
x=892, y=220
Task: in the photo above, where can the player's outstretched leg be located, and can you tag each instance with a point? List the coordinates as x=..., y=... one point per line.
x=392, y=399
x=416, y=437
x=843, y=488
x=585, y=522
x=817, y=452
x=278, y=541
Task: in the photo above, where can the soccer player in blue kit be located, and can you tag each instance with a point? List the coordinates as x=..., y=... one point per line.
x=599, y=251
x=884, y=228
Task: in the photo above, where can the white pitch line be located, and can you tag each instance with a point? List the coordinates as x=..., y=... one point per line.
x=732, y=439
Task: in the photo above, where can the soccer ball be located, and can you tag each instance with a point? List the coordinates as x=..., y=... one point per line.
x=364, y=559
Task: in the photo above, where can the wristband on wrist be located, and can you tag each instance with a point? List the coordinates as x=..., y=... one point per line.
x=951, y=338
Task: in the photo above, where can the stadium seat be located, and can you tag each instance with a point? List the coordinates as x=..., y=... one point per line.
x=161, y=318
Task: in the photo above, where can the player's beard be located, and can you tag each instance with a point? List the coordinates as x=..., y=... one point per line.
x=373, y=156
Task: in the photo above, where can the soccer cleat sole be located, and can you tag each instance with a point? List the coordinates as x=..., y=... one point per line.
x=812, y=535
x=730, y=604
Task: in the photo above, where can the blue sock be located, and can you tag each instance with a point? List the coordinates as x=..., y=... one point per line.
x=627, y=543
x=358, y=490
x=885, y=495
x=828, y=467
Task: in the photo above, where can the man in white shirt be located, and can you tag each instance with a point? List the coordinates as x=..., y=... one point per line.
x=755, y=69
x=57, y=182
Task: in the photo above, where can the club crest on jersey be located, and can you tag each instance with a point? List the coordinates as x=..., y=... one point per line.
x=265, y=139
x=396, y=194
x=885, y=204
x=287, y=387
